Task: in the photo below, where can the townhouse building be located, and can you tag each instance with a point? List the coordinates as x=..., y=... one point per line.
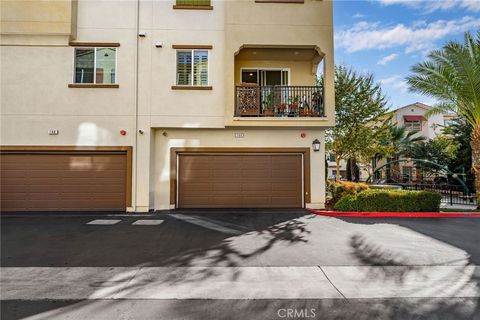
x=413, y=117
x=138, y=105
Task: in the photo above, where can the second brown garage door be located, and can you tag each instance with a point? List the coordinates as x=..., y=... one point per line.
x=240, y=181
x=68, y=181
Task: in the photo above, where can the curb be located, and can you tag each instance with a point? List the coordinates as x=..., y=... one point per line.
x=395, y=214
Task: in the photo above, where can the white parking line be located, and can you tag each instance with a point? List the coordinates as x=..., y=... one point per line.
x=104, y=222
x=145, y=222
x=208, y=223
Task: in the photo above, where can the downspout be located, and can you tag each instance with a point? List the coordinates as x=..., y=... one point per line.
x=134, y=197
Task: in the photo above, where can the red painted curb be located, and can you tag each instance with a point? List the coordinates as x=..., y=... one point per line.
x=395, y=214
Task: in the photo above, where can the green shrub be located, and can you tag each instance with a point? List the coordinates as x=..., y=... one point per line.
x=390, y=200
x=340, y=189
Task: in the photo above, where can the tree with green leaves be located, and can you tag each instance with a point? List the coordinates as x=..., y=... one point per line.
x=440, y=150
x=360, y=106
x=452, y=76
x=459, y=132
x=402, y=139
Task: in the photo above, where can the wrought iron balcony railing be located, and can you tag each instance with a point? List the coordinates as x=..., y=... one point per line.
x=279, y=101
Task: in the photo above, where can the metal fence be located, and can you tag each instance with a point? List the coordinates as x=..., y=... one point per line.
x=279, y=101
x=451, y=194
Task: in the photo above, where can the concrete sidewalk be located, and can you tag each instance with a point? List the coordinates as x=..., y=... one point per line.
x=315, y=282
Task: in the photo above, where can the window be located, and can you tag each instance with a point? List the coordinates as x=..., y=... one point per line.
x=95, y=65
x=192, y=68
x=265, y=77
x=331, y=157
x=193, y=3
x=413, y=125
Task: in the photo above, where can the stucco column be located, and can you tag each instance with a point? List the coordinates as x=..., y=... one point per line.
x=317, y=175
x=142, y=165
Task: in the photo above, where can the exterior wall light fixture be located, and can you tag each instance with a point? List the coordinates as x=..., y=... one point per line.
x=316, y=145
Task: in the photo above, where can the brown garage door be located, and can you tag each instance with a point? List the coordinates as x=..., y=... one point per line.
x=240, y=181
x=63, y=182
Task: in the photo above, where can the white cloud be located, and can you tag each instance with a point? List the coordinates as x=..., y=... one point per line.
x=395, y=82
x=387, y=59
x=364, y=35
x=434, y=5
x=358, y=16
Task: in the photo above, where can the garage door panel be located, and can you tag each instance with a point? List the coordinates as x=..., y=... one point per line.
x=256, y=174
x=12, y=174
x=63, y=181
x=225, y=187
x=226, y=174
x=284, y=187
x=240, y=181
x=256, y=187
x=104, y=188
x=193, y=175
x=13, y=195
x=226, y=161
x=284, y=200
x=10, y=181
x=221, y=201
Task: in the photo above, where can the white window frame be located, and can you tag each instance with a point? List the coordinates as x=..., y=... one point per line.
x=192, y=67
x=94, y=64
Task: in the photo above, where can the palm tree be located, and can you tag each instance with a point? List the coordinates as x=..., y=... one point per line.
x=452, y=76
x=402, y=139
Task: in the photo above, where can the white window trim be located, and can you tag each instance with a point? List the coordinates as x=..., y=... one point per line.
x=192, y=67
x=94, y=64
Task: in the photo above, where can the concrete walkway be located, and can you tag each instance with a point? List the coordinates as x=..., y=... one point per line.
x=315, y=282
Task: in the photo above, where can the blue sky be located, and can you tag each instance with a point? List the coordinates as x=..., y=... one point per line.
x=386, y=37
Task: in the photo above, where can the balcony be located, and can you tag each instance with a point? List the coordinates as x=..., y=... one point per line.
x=279, y=101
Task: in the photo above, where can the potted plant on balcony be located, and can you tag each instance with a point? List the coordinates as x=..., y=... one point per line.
x=281, y=108
x=268, y=105
x=293, y=107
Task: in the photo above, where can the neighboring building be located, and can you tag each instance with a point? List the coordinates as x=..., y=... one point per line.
x=332, y=167
x=147, y=105
x=413, y=117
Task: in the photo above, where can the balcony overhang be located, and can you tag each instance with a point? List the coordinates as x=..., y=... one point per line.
x=311, y=54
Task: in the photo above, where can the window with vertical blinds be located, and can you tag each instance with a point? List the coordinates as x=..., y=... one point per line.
x=200, y=67
x=192, y=67
x=184, y=68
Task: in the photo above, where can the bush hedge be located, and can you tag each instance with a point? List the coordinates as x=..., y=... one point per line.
x=340, y=189
x=390, y=200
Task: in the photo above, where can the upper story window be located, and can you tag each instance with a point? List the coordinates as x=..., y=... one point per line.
x=192, y=67
x=95, y=65
x=193, y=4
x=413, y=125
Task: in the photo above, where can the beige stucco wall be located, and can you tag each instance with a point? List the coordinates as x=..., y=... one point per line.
x=431, y=127
x=29, y=18
x=37, y=66
x=262, y=138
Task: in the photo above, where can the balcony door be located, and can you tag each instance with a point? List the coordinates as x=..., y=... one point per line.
x=266, y=77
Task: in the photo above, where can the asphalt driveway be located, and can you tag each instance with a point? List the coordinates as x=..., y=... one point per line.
x=257, y=262
x=236, y=238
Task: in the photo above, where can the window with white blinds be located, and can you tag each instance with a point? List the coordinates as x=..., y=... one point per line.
x=192, y=67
